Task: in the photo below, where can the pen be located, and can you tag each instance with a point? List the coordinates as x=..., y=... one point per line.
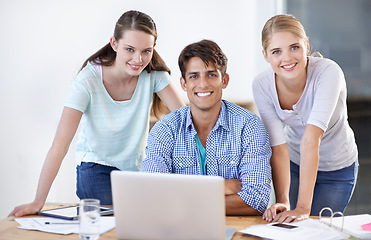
x=49, y=223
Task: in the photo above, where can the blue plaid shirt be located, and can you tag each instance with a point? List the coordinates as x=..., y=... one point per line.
x=236, y=148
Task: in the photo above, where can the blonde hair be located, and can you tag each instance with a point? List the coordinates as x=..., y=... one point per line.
x=282, y=23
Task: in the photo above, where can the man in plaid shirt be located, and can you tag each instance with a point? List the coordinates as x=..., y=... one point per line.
x=212, y=136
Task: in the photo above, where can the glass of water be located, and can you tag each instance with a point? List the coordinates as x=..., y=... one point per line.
x=89, y=219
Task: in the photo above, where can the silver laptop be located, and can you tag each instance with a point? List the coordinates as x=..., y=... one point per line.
x=168, y=206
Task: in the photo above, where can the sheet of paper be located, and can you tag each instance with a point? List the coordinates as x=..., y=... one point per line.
x=307, y=229
x=59, y=226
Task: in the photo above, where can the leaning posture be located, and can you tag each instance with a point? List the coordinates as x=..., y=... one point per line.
x=302, y=102
x=111, y=99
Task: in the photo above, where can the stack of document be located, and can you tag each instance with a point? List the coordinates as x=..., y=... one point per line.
x=59, y=226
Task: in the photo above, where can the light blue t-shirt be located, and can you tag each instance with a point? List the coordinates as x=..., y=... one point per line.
x=110, y=132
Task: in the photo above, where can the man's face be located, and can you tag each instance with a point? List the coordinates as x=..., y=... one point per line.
x=204, y=85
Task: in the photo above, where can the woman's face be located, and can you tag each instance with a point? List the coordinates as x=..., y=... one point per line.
x=134, y=51
x=287, y=55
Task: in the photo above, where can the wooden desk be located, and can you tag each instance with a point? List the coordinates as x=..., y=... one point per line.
x=9, y=228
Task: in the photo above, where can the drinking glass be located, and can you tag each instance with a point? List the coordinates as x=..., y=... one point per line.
x=89, y=219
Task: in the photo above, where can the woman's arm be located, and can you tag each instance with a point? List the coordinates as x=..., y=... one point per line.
x=66, y=130
x=309, y=157
x=280, y=163
x=170, y=97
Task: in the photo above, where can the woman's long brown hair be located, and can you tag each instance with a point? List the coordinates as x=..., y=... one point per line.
x=138, y=21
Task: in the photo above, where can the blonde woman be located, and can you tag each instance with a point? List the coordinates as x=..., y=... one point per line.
x=302, y=102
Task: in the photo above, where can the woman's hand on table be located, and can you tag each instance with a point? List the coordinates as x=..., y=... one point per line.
x=271, y=213
x=279, y=213
x=26, y=209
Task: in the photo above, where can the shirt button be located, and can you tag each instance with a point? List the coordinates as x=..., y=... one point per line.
x=232, y=162
x=180, y=164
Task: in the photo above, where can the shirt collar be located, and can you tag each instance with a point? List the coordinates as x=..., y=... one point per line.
x=222, y=119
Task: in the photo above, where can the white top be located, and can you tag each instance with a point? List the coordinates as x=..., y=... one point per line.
x=322, y=104
x=112, y=133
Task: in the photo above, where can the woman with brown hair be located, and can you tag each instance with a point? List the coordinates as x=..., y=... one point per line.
x=111, y=99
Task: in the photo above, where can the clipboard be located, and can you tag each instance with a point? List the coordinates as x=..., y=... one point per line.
x=71, y=213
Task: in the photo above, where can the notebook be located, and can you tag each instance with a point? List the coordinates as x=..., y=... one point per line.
x=168, y=206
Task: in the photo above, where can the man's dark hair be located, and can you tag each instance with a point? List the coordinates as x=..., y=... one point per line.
x=208, y=51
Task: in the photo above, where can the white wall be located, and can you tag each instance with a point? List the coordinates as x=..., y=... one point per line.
x=44, y=42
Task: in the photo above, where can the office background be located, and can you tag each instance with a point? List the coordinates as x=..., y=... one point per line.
x=44, y=43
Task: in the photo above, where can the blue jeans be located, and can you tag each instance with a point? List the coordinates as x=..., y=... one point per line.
x=332, y=189
x=94, y=181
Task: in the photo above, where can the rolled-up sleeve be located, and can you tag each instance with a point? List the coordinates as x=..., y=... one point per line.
x=329, y=84
x=254, y=169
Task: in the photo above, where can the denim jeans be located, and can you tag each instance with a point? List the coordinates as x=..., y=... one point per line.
x=332, y=189
x=94, y=181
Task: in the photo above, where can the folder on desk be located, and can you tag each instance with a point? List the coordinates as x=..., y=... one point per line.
x=353, y=225
x=305, y=230
x=336, y=228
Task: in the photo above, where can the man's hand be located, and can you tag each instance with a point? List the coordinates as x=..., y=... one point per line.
x=232, y=186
